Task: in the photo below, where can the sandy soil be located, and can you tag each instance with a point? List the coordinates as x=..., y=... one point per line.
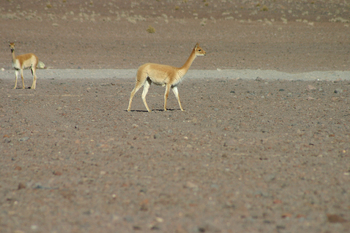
x=246, y=155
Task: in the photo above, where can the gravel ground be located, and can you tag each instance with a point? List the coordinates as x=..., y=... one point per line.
x=262, y=146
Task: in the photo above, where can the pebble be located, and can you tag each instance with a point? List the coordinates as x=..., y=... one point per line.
x=21, y=186
x=23, y=139
x=338, y=90
x=7, y=140
x=128, y=218
x=310, y=88
x=334, y=218
x=189, y=184
x=269, y=177
x=208, y=227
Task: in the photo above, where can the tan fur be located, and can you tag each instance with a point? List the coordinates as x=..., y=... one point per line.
x=164, y=75
x=22, y=62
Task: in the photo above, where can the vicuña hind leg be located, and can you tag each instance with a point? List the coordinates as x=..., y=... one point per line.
x=176, y=93
x=133, y=92
x=34, y=79
x=144, y=93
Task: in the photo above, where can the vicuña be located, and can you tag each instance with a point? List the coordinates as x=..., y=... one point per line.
x=163, y=75
x=24, y=61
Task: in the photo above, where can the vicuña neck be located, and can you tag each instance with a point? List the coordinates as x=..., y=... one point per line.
x=13, y=55
x=188, y=63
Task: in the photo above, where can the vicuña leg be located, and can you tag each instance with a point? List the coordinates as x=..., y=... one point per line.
x=16, y=73
x=137, y=87
x=144, y=93
x=33, y=69
x=166, y=94
x=176, y=93
x=23, y=87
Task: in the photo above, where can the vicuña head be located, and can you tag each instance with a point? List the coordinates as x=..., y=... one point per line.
x=164, y=75
x=21, y=62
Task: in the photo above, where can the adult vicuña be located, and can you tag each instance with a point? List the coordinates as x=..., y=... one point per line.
x=24, y=61
x=164, y=75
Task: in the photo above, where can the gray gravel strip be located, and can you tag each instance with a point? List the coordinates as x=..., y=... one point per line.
x=227, y=73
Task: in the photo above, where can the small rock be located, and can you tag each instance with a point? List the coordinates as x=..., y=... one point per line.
x=7, y=140
x=191, y=185
x=144, y=205
x=180, y=229
x=128, y=218
x=23, y=139
x=18, y=168
x=277, y=201
x=208, y=227
x=286, y=215
x=281, y=89
x=338, y=90
x=21, y=186
x=269, y=177
x=258, y=79
x=334, y=218
x=232, y=92
x=57, y=173
x=310, y=88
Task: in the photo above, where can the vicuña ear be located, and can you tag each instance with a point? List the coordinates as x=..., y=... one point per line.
x=197, y=45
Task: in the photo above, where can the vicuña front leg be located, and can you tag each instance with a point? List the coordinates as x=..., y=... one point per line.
x=166, y=94
x=176, y=93
x=16, y=73
x=23, y=86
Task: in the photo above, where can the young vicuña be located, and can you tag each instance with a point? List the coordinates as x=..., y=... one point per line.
x=163, y=75
x=24, y=61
